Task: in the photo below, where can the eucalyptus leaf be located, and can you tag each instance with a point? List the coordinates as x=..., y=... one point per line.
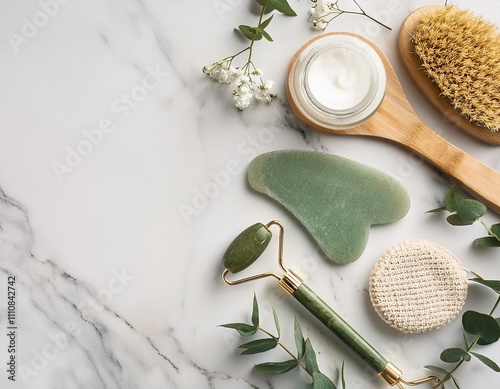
x=479, y=324
x=273, y=368
x=456, y=220
x=266, y=35
x=242, y=328
x=342, y=375
x=493, y=284
x=268, y=7
x=282, y=6
x=453, y=355
x=321, y=381
x=487, y=241
x=310, y=354
x=452, y=199
x=495, y=228
x=255, y=311
x=259, y=346
x=470, y=210
x=251, y=33
x=440, y=209
x=299, y=339
x=487, y=361
x=436, y=369
x=265, y=23
x=276, y=321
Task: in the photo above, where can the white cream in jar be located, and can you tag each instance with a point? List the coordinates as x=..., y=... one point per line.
x=336, y=81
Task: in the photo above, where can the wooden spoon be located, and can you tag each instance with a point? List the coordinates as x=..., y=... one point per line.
x=430, y=89
x=396, y=121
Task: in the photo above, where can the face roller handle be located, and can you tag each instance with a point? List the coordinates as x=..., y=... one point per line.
x=335, y=323
x=251, y=243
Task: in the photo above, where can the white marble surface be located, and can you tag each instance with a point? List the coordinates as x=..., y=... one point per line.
x=115, y=288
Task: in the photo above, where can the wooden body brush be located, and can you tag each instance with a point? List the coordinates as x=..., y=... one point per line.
x=396, y=121
x=454, y=58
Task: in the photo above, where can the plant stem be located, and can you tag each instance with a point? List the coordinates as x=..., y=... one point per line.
x=368, y=16
x=490, y=232
x=250, y=48
x=469, y=349
x=285, y=349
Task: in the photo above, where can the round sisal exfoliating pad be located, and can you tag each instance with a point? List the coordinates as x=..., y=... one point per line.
x=418, y=286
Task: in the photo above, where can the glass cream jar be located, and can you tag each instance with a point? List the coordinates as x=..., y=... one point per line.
x=336, y=81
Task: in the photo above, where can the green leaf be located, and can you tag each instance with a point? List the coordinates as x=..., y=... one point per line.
x=259, y=346
x=282, y=6
x=493, y=284
x=265, y=23
x=470, y=210
x=273, y=368
x=321, y=381
x=487, y=361
x=310, y=354
x=456, y=220
x=255, y=311
x=487, y=241
x=484, y=326
x=266, y=35
x=268, y=7
x=342, y=375
x=299, y=339
x=453, y=355
x=251, y=33
x=440, y=209
x=436, y=369
x=276, y=321
x=452, y=199
x=495, y=228
x=242, y=328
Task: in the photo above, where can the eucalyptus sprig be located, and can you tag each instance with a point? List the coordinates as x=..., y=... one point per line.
x=485, y=330
x=305, y=356
x=466, y=212
x=247, y=79
x=324, y=12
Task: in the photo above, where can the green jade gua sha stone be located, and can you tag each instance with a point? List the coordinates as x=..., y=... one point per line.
x=336, y=199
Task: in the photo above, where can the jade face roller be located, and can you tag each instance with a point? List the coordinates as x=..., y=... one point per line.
x=251, y=243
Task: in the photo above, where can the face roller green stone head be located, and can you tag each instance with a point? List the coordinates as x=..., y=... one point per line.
x=251, y=243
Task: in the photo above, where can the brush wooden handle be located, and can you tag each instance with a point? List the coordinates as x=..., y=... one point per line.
x=477, y=178
x=395, y=120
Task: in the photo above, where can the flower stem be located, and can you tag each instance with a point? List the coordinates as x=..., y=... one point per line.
x=368, y=16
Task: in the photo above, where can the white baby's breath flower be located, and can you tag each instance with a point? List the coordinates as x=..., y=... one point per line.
x=317, y=14
x=319, y=24
x=242, y=99
x=263, y=92
x=321, y=8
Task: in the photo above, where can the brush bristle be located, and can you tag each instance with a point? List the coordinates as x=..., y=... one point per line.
x=460, y=52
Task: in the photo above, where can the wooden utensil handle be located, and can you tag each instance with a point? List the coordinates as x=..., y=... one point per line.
x=480, y=180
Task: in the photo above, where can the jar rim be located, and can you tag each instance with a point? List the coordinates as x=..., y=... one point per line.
x=316, y=112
